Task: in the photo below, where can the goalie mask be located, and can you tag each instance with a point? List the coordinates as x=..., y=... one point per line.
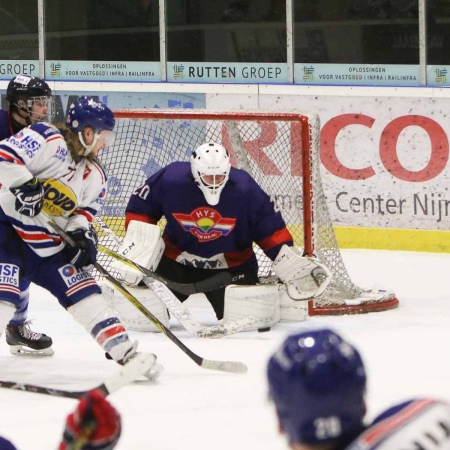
x=317, y=376
x=210, y=165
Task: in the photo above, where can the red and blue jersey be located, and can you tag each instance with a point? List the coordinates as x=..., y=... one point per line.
x=219, y=236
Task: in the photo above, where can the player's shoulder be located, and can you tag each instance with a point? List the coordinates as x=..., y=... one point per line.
x=178, y=167
x=94, y=169
x=5, y=127
x=242, y=180
x=420, y=420
x=173, y=172
x=44, y=129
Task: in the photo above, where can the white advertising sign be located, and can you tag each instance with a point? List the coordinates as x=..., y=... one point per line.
x=385, y=160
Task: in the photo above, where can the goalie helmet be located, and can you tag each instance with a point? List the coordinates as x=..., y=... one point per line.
x=24, y=92
x=210, y=165
x=317, y=382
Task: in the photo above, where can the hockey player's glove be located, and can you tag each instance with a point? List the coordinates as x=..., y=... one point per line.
x=29, y=197
x=95, y=424
x=84, y=255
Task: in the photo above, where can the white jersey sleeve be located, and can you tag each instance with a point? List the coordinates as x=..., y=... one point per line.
x=73, y=192
x=28, y=154
x=417, y=424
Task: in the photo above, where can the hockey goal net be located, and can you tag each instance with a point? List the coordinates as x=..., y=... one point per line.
x=280, y=151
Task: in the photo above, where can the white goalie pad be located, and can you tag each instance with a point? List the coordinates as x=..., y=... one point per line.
x=305, y=277
x=130, y=316
x=291, y=310
x=144, y=246
x=260, y=302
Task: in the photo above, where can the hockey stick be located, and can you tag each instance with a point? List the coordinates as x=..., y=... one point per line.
x=178, y=310
x=216, y=281
x=137, y=366
x=212, y=283
x=224, y=366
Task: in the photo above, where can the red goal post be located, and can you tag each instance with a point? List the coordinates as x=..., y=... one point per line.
x=279, y=150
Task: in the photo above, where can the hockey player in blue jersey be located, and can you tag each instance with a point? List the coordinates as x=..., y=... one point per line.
x=55, y=170
x=30, y=101
x=317, y=382
x=214, y=214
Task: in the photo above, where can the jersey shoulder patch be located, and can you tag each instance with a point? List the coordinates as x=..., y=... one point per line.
x=45, y=129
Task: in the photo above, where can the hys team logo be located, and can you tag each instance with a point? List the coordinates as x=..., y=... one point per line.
x=206, y=224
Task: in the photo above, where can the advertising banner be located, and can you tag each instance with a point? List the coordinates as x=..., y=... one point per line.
x=385, y=159
x=102, y=71
x=357, y=74
x=187, y=72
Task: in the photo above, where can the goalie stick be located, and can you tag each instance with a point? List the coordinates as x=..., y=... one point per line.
x=136, y=367
x=224, y=366
x=216, y=281
x=178, y=310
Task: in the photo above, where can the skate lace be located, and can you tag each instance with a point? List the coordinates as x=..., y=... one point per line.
x=26, y=332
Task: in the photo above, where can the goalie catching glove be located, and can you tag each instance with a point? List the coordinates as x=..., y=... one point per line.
x=305, y=277
x=144, y=246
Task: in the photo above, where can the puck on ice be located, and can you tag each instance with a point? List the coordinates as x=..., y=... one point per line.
x=263, y=330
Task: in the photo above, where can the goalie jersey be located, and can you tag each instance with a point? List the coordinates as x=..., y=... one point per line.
x=73, y=191
x=205, y=236
x=419, y=424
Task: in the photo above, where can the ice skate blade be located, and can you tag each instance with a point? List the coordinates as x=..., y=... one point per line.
x=20, y=350
x=154, y=373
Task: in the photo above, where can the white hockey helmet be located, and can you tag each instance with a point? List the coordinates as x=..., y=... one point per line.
x=210, y=165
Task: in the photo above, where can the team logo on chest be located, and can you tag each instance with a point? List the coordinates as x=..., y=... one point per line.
x=206, y=224
x=59, y=199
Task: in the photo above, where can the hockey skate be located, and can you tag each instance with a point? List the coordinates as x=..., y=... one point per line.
x=151, y=375
x=23, y=341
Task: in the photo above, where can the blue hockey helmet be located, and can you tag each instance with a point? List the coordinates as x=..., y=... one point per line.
x=317, y=382
x=88, y=112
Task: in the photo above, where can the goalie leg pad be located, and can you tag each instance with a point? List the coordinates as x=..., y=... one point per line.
x=103, y=325
x=305, y=277
x=131, y=317
x=291, y=310
x=261, y=302
x=144, y=246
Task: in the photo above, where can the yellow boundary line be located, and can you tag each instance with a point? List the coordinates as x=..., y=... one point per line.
x=434, y=241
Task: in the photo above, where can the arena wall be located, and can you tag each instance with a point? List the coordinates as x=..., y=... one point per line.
x=384, y=151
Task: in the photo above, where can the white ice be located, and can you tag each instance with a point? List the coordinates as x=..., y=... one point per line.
x=406, y=351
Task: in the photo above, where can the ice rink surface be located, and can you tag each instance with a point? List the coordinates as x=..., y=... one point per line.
x=405, y=350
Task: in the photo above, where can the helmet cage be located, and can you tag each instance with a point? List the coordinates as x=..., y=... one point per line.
x=37, y=103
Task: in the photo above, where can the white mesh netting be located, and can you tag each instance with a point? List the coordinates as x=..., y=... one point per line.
x=280, y=151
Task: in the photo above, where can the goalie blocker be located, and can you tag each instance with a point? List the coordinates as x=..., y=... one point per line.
x=143, y=245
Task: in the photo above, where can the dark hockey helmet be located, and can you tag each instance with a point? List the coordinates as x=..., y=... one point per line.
x=88, y=112
x=26, y=93
x=317, y=382
x=23, y=86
